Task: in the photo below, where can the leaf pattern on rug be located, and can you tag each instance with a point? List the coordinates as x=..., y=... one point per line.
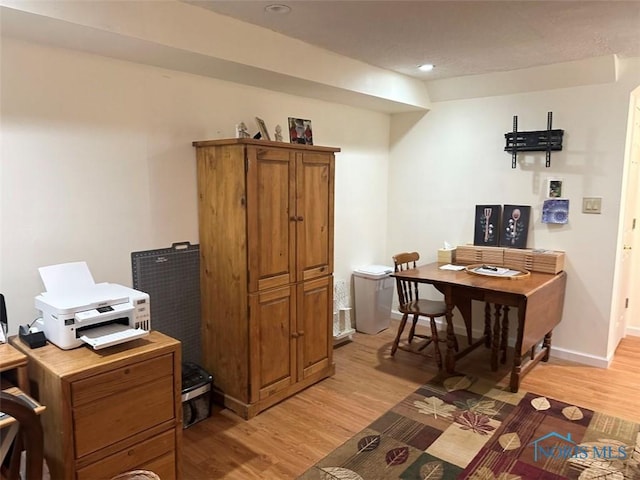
x=339, y=473
x=513, y=433
x=368, y=443
x=432, y=471
x=594, y=473
x=485, y=473
x=475, y=422
x=434, y=406
x=457, y=383
x=397, y=456
x=509, y=441
x=596, y=465
x=486, y=407
x=572, y=413
x=540, y=403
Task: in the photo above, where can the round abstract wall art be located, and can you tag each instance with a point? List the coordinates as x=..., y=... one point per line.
x=555, y=211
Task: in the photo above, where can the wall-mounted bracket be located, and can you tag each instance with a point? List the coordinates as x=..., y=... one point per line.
x=537, y=141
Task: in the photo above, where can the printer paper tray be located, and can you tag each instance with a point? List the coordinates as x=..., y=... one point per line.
x=112, y=334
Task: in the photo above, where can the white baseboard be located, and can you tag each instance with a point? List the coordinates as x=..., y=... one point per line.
x=633, y=331
x=556, y=352
x=579, y=357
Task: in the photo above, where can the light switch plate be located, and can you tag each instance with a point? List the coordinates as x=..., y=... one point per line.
x=592, y=205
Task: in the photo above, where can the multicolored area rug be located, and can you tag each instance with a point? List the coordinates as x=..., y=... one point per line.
x=467, y=428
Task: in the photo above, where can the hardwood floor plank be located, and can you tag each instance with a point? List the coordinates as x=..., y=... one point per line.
x=285, y=440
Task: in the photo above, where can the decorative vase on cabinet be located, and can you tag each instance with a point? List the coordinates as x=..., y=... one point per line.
x=266, y=268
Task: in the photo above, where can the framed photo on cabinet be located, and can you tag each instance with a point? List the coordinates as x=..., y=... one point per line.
x=300, y=131
x=264, y=133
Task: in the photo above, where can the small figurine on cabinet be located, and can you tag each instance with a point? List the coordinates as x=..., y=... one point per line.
x=241, y=131
x=278, y=134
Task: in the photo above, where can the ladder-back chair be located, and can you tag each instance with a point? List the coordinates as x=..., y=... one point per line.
x=29, y=437
x=412, y=305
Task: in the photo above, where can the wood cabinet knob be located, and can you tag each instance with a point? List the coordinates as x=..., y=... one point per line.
x=301, y=333
x=294, y=335
x=300, y=218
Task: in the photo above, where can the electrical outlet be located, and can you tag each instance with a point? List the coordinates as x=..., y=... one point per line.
x=592, y=205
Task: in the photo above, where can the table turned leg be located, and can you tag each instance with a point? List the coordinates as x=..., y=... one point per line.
x=450, y=361
x=487, y=324
x=514, y=384
x=495, y=344
x=546, y=344
x=505, y=335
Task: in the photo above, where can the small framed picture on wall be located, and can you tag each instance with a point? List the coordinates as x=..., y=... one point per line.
x=554, y=188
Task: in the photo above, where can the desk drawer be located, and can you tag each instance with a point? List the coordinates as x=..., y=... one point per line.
x=120, y=415
x=105, y=384
x=156, y=455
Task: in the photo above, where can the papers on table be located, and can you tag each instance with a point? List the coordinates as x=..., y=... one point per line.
x=495, y=271
x=449, y=266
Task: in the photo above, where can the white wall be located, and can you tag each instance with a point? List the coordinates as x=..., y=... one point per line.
x=97, y=163
x=452, y=159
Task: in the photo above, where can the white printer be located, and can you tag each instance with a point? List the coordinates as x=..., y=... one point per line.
x=75, y=310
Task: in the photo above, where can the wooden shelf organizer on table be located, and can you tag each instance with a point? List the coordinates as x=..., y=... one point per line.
x=109, y=411
x=266, y=268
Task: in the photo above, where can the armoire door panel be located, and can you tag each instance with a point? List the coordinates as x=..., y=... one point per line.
x=314, y=328
x=314, y=193
x=272, y=351
x=271, y=217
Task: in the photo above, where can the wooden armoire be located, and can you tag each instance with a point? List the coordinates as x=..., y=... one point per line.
x=266, y=268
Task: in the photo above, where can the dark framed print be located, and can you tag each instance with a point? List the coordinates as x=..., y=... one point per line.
x=515, y=226
x=300, y=131
x=487, y=221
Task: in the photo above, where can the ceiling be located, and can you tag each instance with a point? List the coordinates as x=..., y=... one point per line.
x=459, y=37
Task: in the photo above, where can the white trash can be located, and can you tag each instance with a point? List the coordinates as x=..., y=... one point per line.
x=374, y=294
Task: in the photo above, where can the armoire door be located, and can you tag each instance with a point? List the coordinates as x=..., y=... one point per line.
x=314, y=214
x=314, y=326
x=271, y=220
x=272, y=340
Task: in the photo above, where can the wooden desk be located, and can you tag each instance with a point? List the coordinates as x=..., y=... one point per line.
x=111, y=410
x=539, y=299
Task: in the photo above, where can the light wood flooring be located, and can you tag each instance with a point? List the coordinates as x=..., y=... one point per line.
x=284, y=441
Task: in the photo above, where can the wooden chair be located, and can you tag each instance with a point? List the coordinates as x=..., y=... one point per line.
x=29, y=438
x=412, y=305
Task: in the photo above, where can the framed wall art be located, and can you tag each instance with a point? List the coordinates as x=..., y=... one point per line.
x=487, y=221
x=555, y=210
x=554, y=188
x=300, y=131
x=515, y=226
x=264, y=133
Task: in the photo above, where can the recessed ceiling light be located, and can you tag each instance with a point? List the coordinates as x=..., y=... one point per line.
x=277, y=8
x=427, y=67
